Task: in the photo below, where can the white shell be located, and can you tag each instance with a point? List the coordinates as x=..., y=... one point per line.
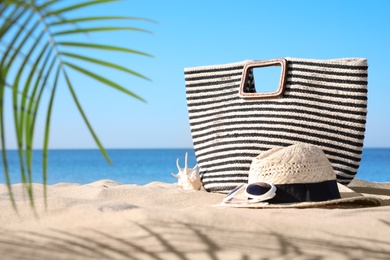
x=188, y=179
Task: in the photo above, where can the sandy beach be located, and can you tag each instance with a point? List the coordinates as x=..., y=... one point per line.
x=110, y=220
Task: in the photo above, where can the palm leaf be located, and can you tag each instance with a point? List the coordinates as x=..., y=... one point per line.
x=17, y=51
x=19, y=114
x=99, y=29
x=31, y=104
x=98, y=18
x=86, y=119
x=3, y=145
x=18, y=119
x=31, y=53
x=45, y=154
x=11, y=19
x=3, y=7
x=5, y=160
x=34, y=102
x=104, y=63
x=15, y=2
x=102, y=47
x=104, y=80
x=77, y=6
x=48, y=3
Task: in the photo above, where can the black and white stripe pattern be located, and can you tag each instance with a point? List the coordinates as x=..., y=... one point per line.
x=324, y=104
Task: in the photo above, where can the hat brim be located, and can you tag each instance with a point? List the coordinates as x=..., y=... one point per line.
x=349, y=199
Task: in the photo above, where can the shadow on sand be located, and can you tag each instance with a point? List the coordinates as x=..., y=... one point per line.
x=179, y=240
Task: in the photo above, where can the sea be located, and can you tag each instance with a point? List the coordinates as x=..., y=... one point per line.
x=142, y=166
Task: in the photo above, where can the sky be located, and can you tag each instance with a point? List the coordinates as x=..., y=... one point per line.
x=204, y=32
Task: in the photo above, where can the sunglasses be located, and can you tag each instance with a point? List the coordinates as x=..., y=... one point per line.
x=251, y=193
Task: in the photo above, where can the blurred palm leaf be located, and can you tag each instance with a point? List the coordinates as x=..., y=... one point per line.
x=34, y=58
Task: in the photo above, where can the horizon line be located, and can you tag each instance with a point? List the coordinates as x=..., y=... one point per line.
x=155, y=148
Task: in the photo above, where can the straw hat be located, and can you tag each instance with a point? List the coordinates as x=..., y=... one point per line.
x=304, y=176
x=299, y=163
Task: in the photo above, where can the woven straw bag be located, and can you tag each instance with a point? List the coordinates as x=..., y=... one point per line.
x=318, y=102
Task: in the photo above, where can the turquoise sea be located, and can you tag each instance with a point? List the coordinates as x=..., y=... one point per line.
x=141, y=166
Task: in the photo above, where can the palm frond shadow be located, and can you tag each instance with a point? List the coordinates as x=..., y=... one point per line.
x=386, y=222
x=153, y=239
x=377, y=242
x=43, y=245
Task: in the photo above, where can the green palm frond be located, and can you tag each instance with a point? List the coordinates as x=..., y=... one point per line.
x=104, y=63
x=99, y=29
x=102, y=47
x=98, y=18
x=34, y=56
x=73, y=7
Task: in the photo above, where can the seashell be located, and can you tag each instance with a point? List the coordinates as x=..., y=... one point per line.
x=188, y=179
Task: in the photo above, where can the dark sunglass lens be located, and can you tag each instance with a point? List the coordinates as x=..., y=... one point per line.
x=258, y=189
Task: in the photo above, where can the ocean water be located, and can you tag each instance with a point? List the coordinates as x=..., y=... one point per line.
x=141, y=166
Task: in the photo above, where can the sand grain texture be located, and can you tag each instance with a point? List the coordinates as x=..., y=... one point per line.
x=109, y=220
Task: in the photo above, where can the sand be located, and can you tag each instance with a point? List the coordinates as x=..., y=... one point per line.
x=110, y=220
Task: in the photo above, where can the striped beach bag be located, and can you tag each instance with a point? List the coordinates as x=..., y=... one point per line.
x=318, y=102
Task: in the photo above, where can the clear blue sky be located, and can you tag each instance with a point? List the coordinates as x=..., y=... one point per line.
x=204, y=32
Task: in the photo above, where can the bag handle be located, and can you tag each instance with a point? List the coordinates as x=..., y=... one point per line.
x=263, y=63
